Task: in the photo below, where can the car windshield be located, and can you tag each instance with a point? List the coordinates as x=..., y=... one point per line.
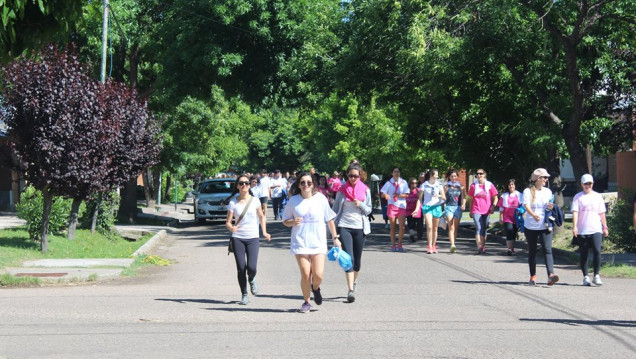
x=216, y=187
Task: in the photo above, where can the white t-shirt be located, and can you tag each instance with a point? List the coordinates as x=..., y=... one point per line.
x=390, y=189
x=264, y=186
x=248, y=226
x=310, y=236
x=281, y=182
x=589, y=206
x=541, y=200
x=256, y=191
x=430, y=191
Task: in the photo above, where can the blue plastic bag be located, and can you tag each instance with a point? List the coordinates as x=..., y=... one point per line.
x=343, y=258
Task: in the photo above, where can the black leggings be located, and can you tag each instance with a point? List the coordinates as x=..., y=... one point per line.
x=592, y=241
x=243, y=247
x=533, y=237
x=352, y=243
x=277, y=205
x=511, y=231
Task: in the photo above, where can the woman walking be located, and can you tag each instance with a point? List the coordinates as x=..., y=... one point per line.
x=589, y=225
x=308, y=214
x=431, y=197
x=536, y=199
x=484, y=199
x=246, y=208
x=508, y=204
x=454, y=206
x=414, y=213
x=395, y=192
x=352, y=207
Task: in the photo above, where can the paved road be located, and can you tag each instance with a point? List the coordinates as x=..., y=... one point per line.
x=409, y=305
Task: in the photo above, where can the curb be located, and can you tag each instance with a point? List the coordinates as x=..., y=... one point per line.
x=149, y=245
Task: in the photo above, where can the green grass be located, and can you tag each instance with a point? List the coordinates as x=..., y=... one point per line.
x=144, y=261
x=15, y=246
x=7, y=280
x=618, y=271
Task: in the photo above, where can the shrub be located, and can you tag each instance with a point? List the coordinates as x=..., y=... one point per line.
x=31, y=207
x=107, y=212
x=621, y=226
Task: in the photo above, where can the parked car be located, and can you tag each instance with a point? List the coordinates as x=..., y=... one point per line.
x=209, y=197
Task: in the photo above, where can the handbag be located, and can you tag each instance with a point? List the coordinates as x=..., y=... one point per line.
x=230, y=245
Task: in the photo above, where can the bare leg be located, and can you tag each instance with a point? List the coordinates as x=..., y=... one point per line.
x=317, y=269
x=392, y=230
x=451, y=229
x=304, y=264
x=428, y=218
x=401, y=221
x=434, y=231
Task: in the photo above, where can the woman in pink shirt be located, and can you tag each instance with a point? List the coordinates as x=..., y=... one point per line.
x=483, y=196
x=508, y=204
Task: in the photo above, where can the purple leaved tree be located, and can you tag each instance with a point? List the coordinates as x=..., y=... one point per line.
x=72, y=134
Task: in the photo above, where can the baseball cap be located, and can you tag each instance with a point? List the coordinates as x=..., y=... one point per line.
x=587, y=178
x=539, y=172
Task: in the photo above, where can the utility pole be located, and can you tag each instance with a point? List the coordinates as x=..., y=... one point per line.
x=104, y=41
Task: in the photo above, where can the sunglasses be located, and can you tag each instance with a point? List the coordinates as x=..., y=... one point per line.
x=306, y=183
x=353, y=176
x=587, y=183
x=480, y=173
x=243, y=183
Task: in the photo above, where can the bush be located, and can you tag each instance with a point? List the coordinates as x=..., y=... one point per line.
x=107, y=212
x=31, y=207
x=621, y=226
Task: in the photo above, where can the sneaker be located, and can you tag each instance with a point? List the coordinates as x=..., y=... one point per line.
x=509, y=252
x=244, y=300
x=399, y=248
x=253, y=287
x=387, y=226
x=429, y=250
x=479, y=250
x=351, y=296
x=355, y=286
x=394, y=248
x=435, y=249
x=317, y=296
x=453, y=249
x=305, y=308
x=586, y=281
x=597, y=280
x=533, y=280
x=553, y=278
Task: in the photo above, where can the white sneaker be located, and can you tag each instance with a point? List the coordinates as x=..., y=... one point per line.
x=586, y=281
x=597, y=280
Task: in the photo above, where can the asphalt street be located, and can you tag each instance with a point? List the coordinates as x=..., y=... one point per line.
x=408, y=304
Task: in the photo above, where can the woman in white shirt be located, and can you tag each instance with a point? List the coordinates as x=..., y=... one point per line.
x=308, y=214
x=431, y=197
x=590, y=226
x=245, y=238
x=395, y=192
x=536, y=199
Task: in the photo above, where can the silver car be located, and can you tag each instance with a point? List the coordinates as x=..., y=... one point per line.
x=209, y=197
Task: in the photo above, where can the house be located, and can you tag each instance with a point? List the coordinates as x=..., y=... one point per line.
x=11, y=183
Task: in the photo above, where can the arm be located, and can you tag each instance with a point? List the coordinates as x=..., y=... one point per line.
x=337, y=202
x=530, y=212
x=334, y=234
x=463, y=198
x=575, y=222
x=263, y=221
x=442, y=194
x=228, y=222
x=495, y=200
x=419, y=201
x=604, y=222
x=366, y=207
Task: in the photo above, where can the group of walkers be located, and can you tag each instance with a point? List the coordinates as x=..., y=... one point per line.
x=311, y=212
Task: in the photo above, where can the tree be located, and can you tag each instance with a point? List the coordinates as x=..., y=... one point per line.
x=74, y=136
x=29, y=24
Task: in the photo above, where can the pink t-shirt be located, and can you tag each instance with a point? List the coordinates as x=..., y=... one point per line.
x=482, y=200
x=508, y=203
x=411, y=201
x=333, y=185
x=589, y=206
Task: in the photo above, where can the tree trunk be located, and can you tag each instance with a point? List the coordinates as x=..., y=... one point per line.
x=96, y=213
x=556, y=182
x=72, y=223
x=167, y=193
x=46, y=214
x=156, y=183
x=128, y=205
x=148, y=190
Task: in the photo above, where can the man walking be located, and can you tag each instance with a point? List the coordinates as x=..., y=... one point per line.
x=264, y=185
x=277, y=184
